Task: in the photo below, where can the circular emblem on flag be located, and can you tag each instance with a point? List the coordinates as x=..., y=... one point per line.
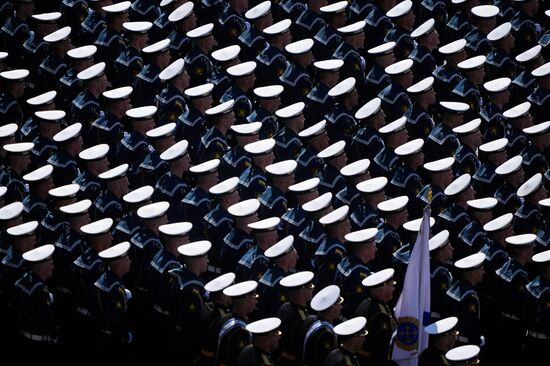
x=407, y=333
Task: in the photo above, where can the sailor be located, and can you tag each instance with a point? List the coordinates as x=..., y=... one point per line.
x=253, y=180
x=367, y=141
x=463, y=300
x=214, y=142
x=403, y=20
x=283, y=258
x=69, y=142
x=110, y=305
x=85, y=107
x=315, y=139
x=147, y=83
x=109, y=202
x=426, y=37
x=351, y=334
x=313, y=233
x=327, y=38
x=331, y=250
x=197, y=63
x=232, y=336
x=335, y=159
x=153, y=166
x=372, y=193
x=512, y=176
x=405, y=178
x=35, y=48
x=109, y=127
x=19, y=162
x=497, y=96
x=134, y=147
x=536, y=313
x=196, y=203
x=54, y=66
x=472, y=238
x=268, y=101
x=243, y=79
x=224, y=59
x=254, y=264
x=524, y=25
x=236, y=160
x=395, y=101
x=49, y=125
x=7, y=136
x=349, y=51
x=273, y=200
x=442, y=141
x=441, y=278
x=85, y=270
x=353, y=173
x=318, y=334
x=296, y=78
x=291, y=120
x=10, y=215
x=318, y=100
x=182, y=19
x=534, y=160
x=354, y=267
x=460, y=23
x=309, y=20
x=395, y=135
x=173, y=185
x=294, y=220
x=216, y=306
x=231, y=23
x=186, y=298
x=15, y=31
x=483, y=20
x=378, y=23
x=440, y=176
x=265, y=336
x=524, y=83
x=447, y=75
x=518, y=118
x=239, y=240
x=341, y=124
x=395, y=214
x=512, y=279
x=110, y=42
x=299, y=288
x=69, y=85
x=40, y=182
x=42, y=102
x=93, y=24
x=218, y=221
x=55, y=222
x=491, y=154
x=192, y=122
x=36, y=317
x=377, y=79
x=442, y=337
x=272, y=60
x=499, y=61
x=95, y=160
x=528, y=218
x=130, y=223
x=468, y=90
x=380, y=318
x=129, y=63
x=259, y=17
x=540, y=97
x=14, y=85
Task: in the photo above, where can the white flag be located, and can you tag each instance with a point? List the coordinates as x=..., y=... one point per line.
x=413, y=307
